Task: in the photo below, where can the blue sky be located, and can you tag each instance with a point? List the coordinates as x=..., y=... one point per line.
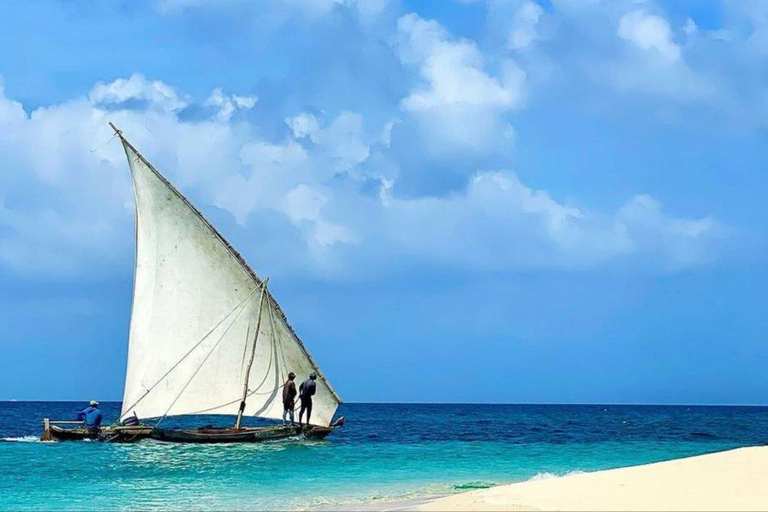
x=477, y=201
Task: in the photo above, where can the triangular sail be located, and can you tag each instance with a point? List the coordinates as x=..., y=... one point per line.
x=195, y=305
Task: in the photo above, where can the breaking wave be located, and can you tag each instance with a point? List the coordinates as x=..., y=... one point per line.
x=22, y=439
x=546, y=475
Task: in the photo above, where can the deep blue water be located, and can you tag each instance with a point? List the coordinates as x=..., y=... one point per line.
x=386, y=451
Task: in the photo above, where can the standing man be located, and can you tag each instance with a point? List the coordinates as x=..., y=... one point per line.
x=289, y=396
x=306, y=390
x=92, y=417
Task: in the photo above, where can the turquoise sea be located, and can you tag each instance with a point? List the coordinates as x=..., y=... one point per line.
x=385, y=452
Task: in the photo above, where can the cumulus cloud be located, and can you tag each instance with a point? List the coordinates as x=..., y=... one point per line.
x=226, y=105
x=303, y=204
x=499, y=222
x=59, y=211
x=303, y=125
x=318, y=191
x=626, y=51
x=524, y=28
x=457, y=102
x=137, y=91
x=65, y=209
x=649, y=32
x=452, y=70
x=344, y=139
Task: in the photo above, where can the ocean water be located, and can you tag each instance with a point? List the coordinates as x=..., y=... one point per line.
x=385, y=452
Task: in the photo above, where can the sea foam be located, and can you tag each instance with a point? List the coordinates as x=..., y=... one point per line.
x=546, y=475
x=22, y=439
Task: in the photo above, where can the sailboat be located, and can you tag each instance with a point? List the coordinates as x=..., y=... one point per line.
x=206, y=335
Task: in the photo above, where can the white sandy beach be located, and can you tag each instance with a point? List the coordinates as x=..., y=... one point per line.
x=732, y=480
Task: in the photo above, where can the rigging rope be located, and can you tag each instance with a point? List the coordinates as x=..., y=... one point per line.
x=297, y=405
x=255, y=391
x=282, y=349
x=242, y=303
x=240, y=411
x=277, y=346
x=237, y=400
x=272, y=354
x=200, y=366
x=245, y=349
x=269, y=363
x=104, y=144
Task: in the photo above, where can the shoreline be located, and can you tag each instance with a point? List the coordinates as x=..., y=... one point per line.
x=727, y=480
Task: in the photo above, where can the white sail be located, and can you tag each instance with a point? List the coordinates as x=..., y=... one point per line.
x=195, y=310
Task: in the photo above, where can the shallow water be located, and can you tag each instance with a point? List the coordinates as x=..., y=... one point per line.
x=386, y=451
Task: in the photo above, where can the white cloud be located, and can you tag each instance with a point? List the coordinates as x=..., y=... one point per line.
x=67, y=210
x=303, y=203
x=500, y=223
x=154, y=94
x=690, y=28
x=226, y=105
x=344, y=139
x=524, y=30
x=625, y=52
x=458, y=104
x=681, y=242
x=452, y=70
x=303, y=125
x=273, y=169
x=651, y=33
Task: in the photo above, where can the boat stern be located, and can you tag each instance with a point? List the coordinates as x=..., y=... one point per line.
x=46, y=430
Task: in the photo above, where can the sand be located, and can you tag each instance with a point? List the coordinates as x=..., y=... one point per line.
x=731, y=480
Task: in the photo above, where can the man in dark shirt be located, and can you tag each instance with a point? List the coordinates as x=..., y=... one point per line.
x=289, y=396
x=91, y=416
x=306, y=391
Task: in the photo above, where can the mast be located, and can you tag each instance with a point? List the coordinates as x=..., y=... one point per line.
x=253, y=355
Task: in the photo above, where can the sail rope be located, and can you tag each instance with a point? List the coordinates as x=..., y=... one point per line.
x=282, y=372
x=297, y=405
x=279, y=348
x=242, y=303
x=276, y=347
x=272, y=353
x=191, y=378
x=255, y=391
x=269, y=367
x=104, y=144
x=282, y=349
x=245, y=348
x=241, y=410
x=250, y=393
x=235, y=401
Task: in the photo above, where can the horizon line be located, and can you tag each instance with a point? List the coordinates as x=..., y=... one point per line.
x=646, y=404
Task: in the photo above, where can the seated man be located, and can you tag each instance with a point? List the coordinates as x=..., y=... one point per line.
x=91, y=415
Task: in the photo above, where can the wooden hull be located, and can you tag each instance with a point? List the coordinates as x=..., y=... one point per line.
x=105, y=434
x=130, y=434
x=243, y=435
